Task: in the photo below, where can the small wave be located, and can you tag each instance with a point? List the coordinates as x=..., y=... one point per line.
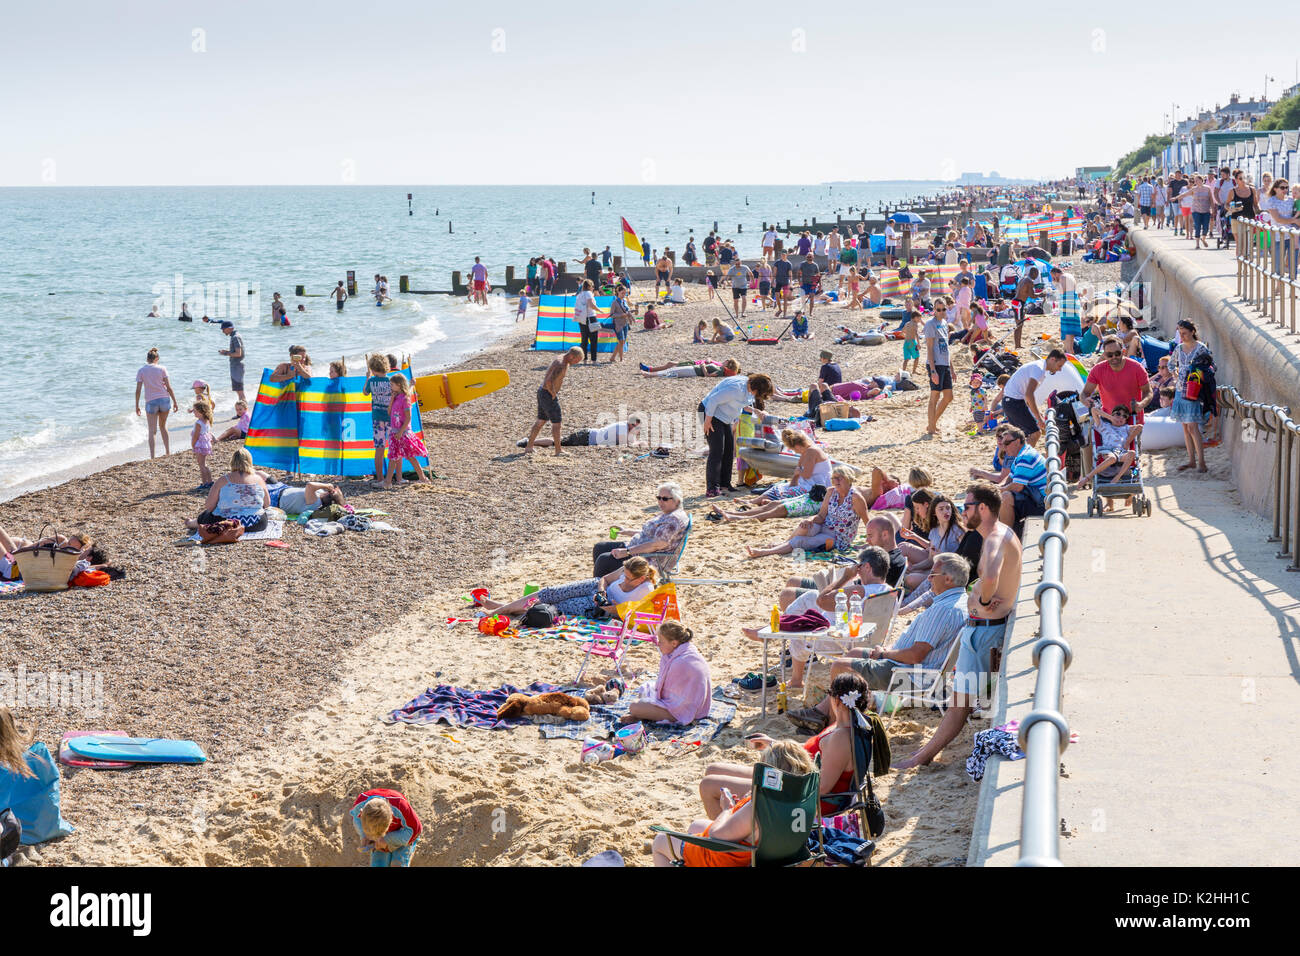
x=57, y=448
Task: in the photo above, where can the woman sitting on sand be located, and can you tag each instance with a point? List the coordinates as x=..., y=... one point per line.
x=848, y=692
x=658, y=541
x=632, y=582
x=943, y=533
x=240, y=494
x=835, y=525
x=703, y=368
x=684, y=687
x=814, y=468
x=298, y=366
x=734, y=818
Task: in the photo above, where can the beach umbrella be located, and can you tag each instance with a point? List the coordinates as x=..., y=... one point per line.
x=1113, y=309
x=909, y=217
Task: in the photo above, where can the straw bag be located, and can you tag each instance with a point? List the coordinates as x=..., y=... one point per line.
x=225, y=531
x=46, y=567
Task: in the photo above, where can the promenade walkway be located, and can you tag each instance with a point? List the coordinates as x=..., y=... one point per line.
x=1184, y=690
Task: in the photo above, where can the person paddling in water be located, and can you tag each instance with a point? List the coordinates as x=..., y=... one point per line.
x=548, y=401
x=340, y=295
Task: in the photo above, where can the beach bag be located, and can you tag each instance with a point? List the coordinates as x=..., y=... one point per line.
x=540, y=615
x=226, y=531
x=47, y=567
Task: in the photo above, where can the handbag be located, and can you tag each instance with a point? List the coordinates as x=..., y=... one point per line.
x=873, y=811
x=225, y=531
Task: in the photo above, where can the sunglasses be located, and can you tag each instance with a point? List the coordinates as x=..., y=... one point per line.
x=1007, y=443
x=666, y=498
x=1113, y=354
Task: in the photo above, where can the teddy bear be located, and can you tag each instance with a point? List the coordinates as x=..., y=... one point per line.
x=556, y=704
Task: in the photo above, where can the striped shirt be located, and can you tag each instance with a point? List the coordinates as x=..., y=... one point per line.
x=938, y=626
x=1029, y=469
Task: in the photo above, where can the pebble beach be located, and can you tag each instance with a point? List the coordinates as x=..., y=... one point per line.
x=281, y=663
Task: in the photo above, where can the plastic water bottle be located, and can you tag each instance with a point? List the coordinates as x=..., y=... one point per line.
x=855, y=615
x=841, y=612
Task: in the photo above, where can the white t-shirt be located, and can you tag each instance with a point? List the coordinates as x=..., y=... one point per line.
x=819, y=247
x=615, y=434
x=584, y=309
x=1026, y=377
x=618, y=595
x=769, y=238
x=891, y=237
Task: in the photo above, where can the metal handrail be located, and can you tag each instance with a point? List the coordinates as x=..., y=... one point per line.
x=1268, y=274
x=1275, y=420
x=1044, y=733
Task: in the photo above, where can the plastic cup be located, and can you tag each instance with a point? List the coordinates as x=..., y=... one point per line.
x=613, y=532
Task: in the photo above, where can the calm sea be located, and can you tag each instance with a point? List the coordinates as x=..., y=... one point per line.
x=83, y=267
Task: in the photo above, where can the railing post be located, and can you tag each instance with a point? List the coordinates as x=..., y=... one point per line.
x=1280, y=522
x=1287, y=427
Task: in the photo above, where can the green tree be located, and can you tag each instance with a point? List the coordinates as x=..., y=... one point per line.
x=1285, y=114
x=1141, y=156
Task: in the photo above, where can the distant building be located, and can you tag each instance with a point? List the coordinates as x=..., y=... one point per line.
x=1092, y=172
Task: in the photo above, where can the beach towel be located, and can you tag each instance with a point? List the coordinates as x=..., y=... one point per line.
x=987, y=744
x=272, y=532
x=604, y=720
x=10, y=588
x=35, y=800
x=464, y=708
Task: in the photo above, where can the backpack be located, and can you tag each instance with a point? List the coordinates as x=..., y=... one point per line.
x=540, y=615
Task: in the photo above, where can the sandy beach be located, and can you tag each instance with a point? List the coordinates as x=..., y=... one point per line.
x=282, y=663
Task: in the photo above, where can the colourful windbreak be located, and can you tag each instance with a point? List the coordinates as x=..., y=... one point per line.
x=557, y=330
x=317, y=426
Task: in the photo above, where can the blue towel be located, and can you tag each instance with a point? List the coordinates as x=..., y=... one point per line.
x=464, y=708
x=35, y=800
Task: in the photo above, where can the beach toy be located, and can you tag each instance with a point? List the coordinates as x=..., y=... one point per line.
x=596, y=751
x=613, y=532
x=493, y=624
x=855, y=396
x=137, y=749
x=478, y=596
x=531, y=588
x=631, y=738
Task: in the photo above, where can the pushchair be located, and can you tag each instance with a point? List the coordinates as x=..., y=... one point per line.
x=1115, y=481
x=1065, y=414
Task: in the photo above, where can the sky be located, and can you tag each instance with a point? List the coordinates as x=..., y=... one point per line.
x=328, y=92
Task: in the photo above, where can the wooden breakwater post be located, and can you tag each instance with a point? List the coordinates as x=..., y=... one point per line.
x=403, y=283
x=301, y=290
x=352, y=282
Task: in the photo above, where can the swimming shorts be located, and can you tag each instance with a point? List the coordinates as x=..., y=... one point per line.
x=945, y=379
x=548, y=407
x=1017, y=413
x=663, y=276
x=480, y=285
x=808, y=288
x=383, y=430
x=911, y=350
x=338, y=304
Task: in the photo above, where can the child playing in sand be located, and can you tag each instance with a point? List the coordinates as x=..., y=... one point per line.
x=700, y=331
x=911, y=341
x=388, y=827
x=872, y=296
x=380, y=391
x=799, y=326
x=201, y=440
x=239, y=430
x=403, y=444
x=721, y=333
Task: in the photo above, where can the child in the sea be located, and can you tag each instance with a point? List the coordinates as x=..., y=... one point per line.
x=523, y=306
x=388, y=826
x=403, y=444
x=239, y=430
x=201, y=440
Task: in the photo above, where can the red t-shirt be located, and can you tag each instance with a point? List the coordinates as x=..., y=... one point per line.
x=1118, y=388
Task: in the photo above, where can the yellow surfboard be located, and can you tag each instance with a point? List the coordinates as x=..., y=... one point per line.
x=457, y=388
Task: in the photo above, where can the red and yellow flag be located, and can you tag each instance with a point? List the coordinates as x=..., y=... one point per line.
x=630, y=241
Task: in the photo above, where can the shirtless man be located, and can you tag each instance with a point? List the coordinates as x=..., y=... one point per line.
x=548, y=401
x=340, y=295
x=663, y=273
x=991, y=601
x=1024, y=292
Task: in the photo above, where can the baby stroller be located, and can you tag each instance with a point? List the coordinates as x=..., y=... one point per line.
x=1065, y=414
x=1115, y=481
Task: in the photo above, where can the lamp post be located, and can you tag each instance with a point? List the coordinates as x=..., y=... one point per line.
x=1267, y=80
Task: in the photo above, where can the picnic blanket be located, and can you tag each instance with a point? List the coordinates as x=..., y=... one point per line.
x=572, y=629
x=8, y=588
x=604, y=720
x=464, y=708
x=847, y=555
x=272, y=532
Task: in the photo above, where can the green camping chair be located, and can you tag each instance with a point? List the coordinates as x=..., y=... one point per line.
x=785, y=815
x=867, y=759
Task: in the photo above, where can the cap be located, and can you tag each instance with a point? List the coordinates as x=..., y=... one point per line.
x=199, y=383
x=227, y=325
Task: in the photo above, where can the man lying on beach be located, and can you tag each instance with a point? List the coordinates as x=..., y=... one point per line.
x=702, y=368
x=990, y=604
x=548, y=399
x=618, y=433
